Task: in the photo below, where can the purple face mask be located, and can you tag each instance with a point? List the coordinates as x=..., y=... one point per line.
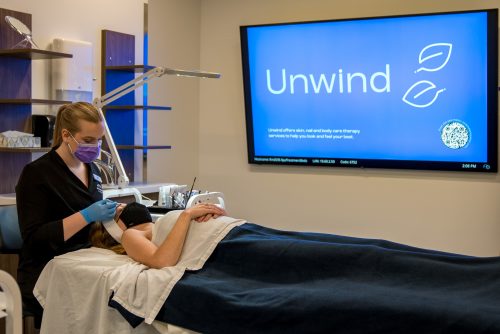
x=86, y=152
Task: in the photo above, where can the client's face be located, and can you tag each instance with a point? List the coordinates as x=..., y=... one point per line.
x=119, y=210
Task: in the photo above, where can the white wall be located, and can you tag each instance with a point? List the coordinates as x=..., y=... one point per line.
x=448, y=211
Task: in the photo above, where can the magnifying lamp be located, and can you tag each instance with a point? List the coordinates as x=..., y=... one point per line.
x=128, y=87
x=22, y=30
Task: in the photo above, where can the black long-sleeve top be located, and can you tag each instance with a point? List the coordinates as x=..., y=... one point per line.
x=46, y=193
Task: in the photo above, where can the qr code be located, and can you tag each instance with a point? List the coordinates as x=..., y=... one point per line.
x=455, y=135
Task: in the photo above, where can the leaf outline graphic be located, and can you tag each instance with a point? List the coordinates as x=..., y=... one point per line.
x=422, y=58
x=429, y=85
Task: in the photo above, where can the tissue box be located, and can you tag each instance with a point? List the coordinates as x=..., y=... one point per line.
x=22, y=141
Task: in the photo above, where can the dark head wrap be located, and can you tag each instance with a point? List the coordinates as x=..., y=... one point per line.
x=135, y=214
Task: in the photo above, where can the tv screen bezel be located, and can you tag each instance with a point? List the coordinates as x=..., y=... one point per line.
x=490, y=166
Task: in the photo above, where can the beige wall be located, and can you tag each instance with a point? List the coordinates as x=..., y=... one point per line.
x=449, y=211
x=174, y=41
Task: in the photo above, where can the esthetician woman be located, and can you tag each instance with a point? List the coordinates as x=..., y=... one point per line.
x=59, y=196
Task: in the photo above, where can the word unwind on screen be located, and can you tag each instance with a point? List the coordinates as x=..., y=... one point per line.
x=331, y=82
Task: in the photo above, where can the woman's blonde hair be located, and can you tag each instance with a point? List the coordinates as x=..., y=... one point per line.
x=68, y=116
x=99, y=237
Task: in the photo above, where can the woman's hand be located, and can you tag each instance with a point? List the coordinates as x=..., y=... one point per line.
x=99, y=211
x=204, y=212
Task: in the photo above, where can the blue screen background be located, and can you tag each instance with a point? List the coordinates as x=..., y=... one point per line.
x=388, y=127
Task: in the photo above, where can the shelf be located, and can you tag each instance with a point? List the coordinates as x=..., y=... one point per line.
x=8, y=199
x=142, y=147
x=31, y=101
x=137, y=107
x=25, y=149
x=33, y=54
x=130, y=68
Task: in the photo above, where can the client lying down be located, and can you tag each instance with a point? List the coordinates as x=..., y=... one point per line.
x=261, y=280
x=132, y=233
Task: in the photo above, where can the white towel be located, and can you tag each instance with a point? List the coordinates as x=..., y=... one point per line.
x=143, y=290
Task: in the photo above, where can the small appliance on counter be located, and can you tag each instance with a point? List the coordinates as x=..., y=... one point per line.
x=43, y=127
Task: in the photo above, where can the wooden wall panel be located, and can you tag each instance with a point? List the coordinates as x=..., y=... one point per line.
x=8, y=36
x=15, y=117
x=118, y=49
x=14, y=71
x=15, y=75
x=10, y=170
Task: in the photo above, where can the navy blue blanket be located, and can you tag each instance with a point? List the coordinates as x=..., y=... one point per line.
x=260, y=280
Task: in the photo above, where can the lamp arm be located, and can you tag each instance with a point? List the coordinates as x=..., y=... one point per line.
x=128, y=87
x=145, y=78
x=111, y=96
x=185, y=73
x=100, y=102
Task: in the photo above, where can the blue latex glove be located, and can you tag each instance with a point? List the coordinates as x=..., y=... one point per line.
x=102, y=210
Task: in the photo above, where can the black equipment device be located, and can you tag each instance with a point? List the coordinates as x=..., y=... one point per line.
x=43, y=126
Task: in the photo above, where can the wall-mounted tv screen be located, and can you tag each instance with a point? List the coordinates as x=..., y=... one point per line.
x=413, y=92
